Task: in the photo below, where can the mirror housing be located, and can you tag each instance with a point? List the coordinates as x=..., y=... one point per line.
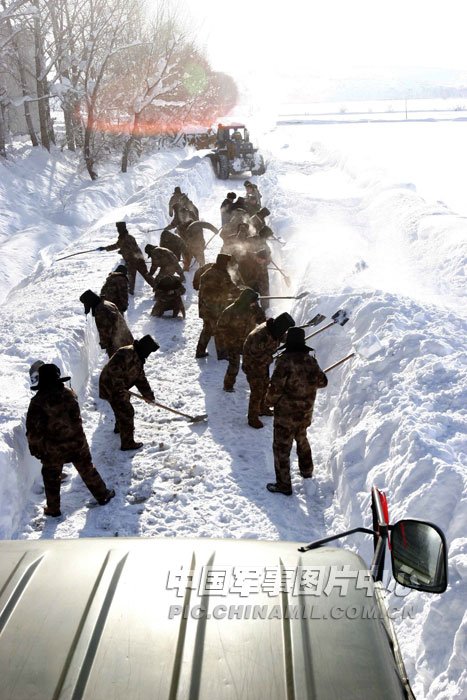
x=419, y=555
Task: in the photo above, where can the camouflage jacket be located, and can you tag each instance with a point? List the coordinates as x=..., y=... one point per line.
x=200, y=271
x=234, y=325
x=174, y=199
x=115, y=289
x=169, y=295
x=128, y=247
x=124, y=370
x=166, y=260
x=53, y=423
x=257, y=222
x=111, y=326
x=216, y=291
x=258, y=350
x=294, y=382
x=174, y=243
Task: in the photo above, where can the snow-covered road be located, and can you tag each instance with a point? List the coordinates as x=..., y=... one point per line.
x=356, y=239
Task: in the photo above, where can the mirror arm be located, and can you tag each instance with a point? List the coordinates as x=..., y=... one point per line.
x=318, y=543
x=377, y=565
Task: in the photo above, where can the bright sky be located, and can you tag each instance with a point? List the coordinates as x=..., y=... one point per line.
x=331, y=36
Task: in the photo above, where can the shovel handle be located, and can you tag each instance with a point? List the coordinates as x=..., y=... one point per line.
x=286, y=278
x=161, y=405
x=339, y=362
x=328, y=325
x=81, y=252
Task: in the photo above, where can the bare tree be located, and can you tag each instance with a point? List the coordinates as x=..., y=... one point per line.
x=13, y=58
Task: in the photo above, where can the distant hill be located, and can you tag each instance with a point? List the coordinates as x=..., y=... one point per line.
x=369, y=83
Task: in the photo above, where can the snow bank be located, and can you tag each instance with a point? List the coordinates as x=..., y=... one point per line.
x=357, y=238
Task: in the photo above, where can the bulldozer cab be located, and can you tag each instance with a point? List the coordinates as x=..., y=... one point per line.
x=232, y=132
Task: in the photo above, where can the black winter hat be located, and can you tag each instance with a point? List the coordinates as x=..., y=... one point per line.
x=264, y=211
x=295, y=341
x=266, y=232
x=49, y=375
x=177, y=190
x=145, y=346
x=223, y=260
x=247, y=296
x=90, y=300
x=148, y=248
x=231, y=195
x=122, y=268
x=121, y=226
x=247, y=183
x=280, y=325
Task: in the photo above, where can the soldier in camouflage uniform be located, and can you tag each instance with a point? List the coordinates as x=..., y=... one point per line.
x=168, y=292
x=233, y=326
x=173, y=242
x=258, y=220
x=258, y=350
x=110, y=324
x=174, y=199
x=292, y=393
x=216, y=291
x=252, y=196
x=115, y=288
x=198, y=272
x=55, y=436
x=124, y=370
x=131, y=253
x=164, y=260
x=226, y=207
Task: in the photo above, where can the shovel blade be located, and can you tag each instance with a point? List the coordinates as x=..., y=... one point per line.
x=341, y=317
x=302, y=295
x=368, y=346
x=199, y=419
x=316, y=320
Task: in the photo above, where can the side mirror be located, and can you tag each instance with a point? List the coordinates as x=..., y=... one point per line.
x=419, y=556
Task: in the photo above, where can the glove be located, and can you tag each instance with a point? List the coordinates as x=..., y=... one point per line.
x=101, y=247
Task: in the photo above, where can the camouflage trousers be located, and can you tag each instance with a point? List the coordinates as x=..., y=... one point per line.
x=232, y=370
x=134, y=266
x=176, y=306
x=286, y=430
x=195, y=251
x=82, y=461
x=208, y=330
x=258, y=388
x=124, y=419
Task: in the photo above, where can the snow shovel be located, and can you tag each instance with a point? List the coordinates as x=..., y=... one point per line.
x=153, y=230
x=91, y=250
x=279, y=240
x=192, y=419
x=366, y=348
x=339, y=317
x=315, y=321
x=286, y=277
x=298, y=296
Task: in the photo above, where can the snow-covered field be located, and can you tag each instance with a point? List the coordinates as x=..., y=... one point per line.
x=372, y=218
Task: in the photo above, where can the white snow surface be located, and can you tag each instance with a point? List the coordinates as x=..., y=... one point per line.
x=361, y=236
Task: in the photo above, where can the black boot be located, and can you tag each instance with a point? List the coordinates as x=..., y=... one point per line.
x=274, y=488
